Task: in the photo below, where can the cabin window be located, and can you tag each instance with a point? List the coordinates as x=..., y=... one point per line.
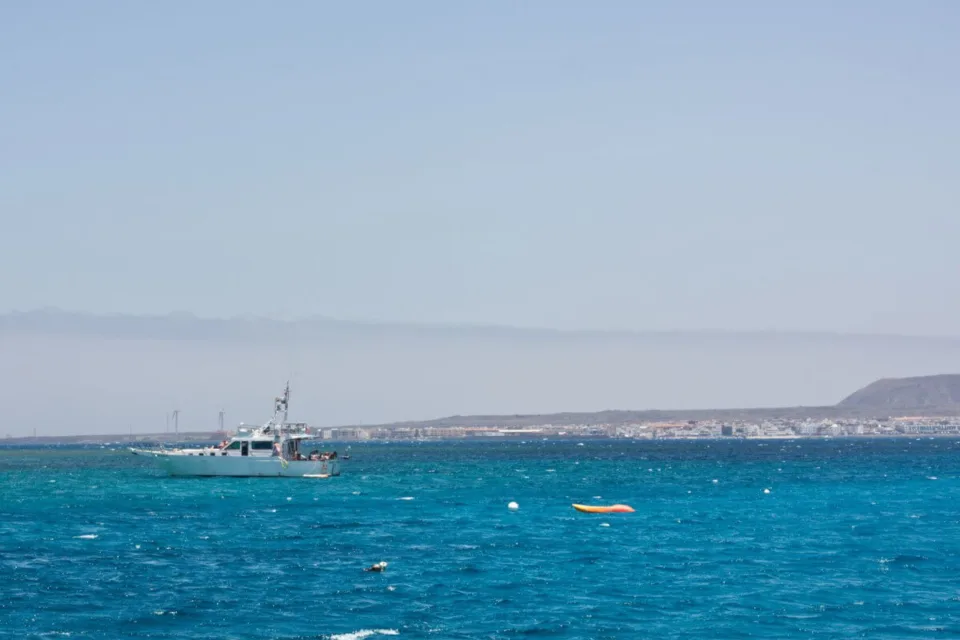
x=262, y=445
x=233, y=445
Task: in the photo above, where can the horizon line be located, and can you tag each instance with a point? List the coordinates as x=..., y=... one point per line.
x=803, y=412
x=464, y=325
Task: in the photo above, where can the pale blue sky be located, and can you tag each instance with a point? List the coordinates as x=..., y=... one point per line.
x=742, y=165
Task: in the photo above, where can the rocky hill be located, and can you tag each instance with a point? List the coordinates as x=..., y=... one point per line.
x=889, y=397
x=901, y=394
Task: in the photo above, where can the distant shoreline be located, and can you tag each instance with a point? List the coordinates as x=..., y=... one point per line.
x=15, y=443
x=868, y=412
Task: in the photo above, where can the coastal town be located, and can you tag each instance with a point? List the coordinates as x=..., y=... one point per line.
x=642, y=430
x=691, y=429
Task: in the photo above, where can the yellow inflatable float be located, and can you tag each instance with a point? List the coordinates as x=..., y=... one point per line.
x=616, y=508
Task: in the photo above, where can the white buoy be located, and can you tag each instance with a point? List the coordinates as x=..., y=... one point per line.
x=513, y=506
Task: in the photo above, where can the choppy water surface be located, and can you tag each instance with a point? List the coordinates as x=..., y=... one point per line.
x=855, y=538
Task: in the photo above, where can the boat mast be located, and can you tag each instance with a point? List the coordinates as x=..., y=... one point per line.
x=280, y=407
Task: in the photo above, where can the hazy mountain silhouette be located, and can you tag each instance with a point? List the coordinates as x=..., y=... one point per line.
x=938, y=391
x=64, y=372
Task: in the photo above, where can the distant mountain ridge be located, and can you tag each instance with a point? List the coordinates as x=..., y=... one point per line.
x=919, y=392
x=937, y=395
x=180, y=325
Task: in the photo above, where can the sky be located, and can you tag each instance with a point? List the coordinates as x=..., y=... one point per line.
x=615, y=165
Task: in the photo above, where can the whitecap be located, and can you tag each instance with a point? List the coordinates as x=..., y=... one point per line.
x=87, y=536
x=364, y=633
x=405, y=498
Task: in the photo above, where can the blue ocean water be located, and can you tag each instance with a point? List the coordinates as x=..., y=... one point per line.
x=855, y=538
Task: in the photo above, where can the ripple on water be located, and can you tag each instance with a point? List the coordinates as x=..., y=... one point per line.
x=855, y=538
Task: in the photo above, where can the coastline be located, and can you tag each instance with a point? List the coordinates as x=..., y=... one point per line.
x=123, y=442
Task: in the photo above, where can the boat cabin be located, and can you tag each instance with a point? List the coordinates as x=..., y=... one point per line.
x=247, y=446
x=259, y=445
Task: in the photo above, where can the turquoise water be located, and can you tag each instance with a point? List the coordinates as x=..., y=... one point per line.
x=856, y=538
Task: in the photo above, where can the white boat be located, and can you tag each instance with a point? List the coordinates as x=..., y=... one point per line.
x=270, y=450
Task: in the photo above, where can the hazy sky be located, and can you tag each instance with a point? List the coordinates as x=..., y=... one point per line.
x=624, y=164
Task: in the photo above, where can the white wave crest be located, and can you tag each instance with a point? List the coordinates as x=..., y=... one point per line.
x=364, y=633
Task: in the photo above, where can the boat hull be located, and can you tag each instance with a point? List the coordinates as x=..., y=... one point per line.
x=177, y=464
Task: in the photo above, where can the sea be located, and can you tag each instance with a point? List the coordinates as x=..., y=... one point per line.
x=802, y=538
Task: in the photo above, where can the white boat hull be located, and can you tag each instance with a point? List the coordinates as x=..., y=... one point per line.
x=179, y=464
